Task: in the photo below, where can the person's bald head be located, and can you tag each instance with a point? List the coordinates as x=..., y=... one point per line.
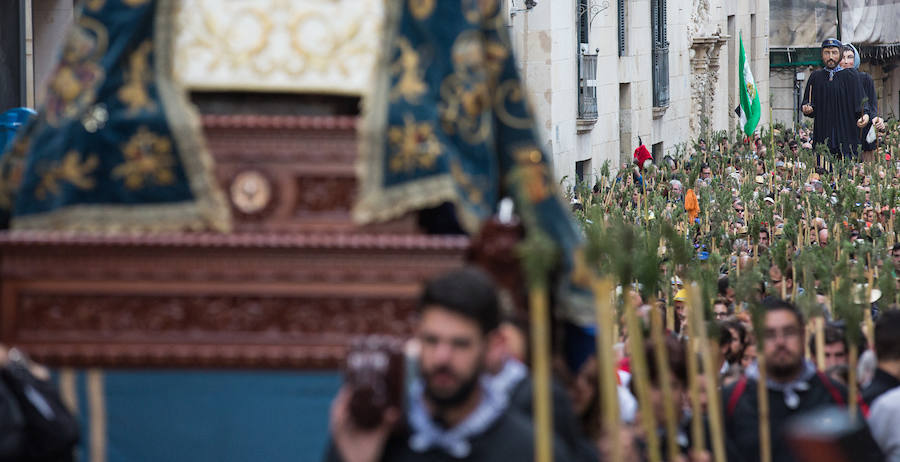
x=823, y=236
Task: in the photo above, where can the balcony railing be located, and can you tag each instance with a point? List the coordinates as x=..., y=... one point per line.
x=661, y=76
x=587, y=86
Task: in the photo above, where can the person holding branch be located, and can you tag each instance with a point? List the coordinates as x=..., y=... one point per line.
x=794, y=387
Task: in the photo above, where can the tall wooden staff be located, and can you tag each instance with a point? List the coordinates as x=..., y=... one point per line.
x=851, y=380
x=783, y=284
x=606, y=365
x=670, y=307
x=641, y=377
x=867, y=314
x=820, y=342
x=662, y=365
x=762, y=395
x=795, y=286
x=710, y=373
x=693, y=369
x=540, y=347
x=536, y=253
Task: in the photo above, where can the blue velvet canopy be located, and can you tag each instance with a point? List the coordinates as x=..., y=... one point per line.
x=116, y=145
x=448, y=121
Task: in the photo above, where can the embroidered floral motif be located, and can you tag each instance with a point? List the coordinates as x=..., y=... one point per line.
x=410, y=85
x=465, y=94
x=414, y=146
x=534, y=174
x=134, y=92
x=148, y=159
x=510, y=106
x=71, y=169
x=421, y=9
x=95, y=5
x=74, y=84
x=465, y=183
x=477, y=11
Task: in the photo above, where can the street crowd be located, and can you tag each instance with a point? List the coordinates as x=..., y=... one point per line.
x=751, y=291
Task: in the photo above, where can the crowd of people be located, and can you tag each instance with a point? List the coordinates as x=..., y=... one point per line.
x=781, y=246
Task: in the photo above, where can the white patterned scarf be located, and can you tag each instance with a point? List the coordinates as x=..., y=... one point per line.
x=789, y=389
x=505, y=381
x=426, y=434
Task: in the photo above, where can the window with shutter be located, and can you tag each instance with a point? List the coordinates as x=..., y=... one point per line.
x=660, y=54
x=587, y=86
x=621, y=12
x=583, y=21
x=587, y=63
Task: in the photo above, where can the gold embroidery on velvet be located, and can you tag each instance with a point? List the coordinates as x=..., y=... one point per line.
x=421, y=9
x=73, y=85
x=411, y=85
x=413, y=146
x=95, y=5
x=473, y=192
x=465, y=94
x=134, y=92
x=12, y=166
x=511, y=91
x=148, y=158
x=70, y=169
x=477, y=11
x=534, y=175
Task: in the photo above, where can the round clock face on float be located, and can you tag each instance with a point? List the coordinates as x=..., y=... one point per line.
x=251, y=192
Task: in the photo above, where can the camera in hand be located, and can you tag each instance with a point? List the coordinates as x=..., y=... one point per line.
x=827, y=434
x=375, y=377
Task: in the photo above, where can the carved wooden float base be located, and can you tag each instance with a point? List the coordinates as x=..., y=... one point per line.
x=208, y=300
x=293, y=282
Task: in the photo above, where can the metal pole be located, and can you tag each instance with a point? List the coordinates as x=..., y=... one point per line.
x=838, y=19
x=23, y=74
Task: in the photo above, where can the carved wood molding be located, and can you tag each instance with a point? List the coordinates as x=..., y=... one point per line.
x=280, y=122
x=309, y=163
x=287, y=289
x=133, y=328
x=237, y=301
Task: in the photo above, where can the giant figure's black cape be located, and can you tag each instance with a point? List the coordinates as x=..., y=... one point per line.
x=837, y=101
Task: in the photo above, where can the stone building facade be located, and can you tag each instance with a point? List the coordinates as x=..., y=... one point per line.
x=627, y=39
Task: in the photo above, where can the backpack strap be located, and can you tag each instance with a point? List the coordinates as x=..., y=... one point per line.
x=832, y=390
x=736, y=395
x=863, y=407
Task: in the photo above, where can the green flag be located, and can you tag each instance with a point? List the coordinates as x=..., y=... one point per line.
x=749, y=110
